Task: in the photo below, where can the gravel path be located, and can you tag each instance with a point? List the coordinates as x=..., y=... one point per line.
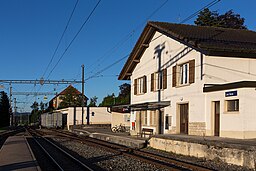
x=105, y=159
x=110, y=161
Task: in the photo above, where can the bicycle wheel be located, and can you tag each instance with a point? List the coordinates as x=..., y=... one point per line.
x=113, y=129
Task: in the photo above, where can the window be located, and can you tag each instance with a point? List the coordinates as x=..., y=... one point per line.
x=140, y=85
x=146, y=118
x=183, y=74
x=159, y=80
x=232, y=105
x=168, y=121
x=152, y=118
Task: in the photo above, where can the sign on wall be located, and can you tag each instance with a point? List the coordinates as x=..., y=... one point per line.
x=230, y=93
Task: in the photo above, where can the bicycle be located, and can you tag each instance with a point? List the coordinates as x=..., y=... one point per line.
x=118, y=128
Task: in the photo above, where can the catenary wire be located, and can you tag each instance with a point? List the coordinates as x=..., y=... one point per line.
x=60, y=40
x=71, y=42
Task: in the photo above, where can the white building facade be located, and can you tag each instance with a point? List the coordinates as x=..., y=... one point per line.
x=193, y=80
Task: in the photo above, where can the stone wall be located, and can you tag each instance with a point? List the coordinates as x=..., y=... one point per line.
x=197, y=128
x=232, y=155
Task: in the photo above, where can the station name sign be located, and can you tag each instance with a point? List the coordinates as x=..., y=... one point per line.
x=230, y=93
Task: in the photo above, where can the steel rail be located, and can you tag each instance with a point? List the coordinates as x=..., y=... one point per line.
x=161, y=161
x=62, y=151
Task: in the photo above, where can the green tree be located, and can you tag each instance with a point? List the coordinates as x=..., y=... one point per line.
x=124, y=94
x=123, y=98
x=227, y=20
x=109, y=100
x=93, y=101
x=207, y=18
x=35, y=113
x=4, y=110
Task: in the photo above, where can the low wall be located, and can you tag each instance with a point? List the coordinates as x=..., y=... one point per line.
x=238, y=156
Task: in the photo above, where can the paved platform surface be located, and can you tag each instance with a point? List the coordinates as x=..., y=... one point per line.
x=101, y=132
x=16, y=154
x=105, y=134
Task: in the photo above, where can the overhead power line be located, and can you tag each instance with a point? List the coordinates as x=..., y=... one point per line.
x=125, y=38
x=57, y=47
x=71, y=42
x=197, y=12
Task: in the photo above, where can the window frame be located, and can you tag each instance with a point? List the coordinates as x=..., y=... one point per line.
x=183, y=74
x=229, y=109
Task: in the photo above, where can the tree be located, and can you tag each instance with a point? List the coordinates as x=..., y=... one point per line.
x=93, y=101
x=4, y=110
x=35, y=113
x=207, y=18
x=123, y=98
x=124, y=94
x=109, y=100
x=227, y=20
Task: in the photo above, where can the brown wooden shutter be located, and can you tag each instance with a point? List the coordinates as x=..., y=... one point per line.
x=135, y=86
x=192, y=71
x=144, y=84
x=152, y=81
x=165, y=78
x=174, y=75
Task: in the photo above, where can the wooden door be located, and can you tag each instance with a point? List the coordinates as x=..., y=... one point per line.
x=184, y=118
x=217, y=118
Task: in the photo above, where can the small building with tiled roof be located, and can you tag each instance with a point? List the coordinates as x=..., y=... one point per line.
x=56, y=100
x=193, y=80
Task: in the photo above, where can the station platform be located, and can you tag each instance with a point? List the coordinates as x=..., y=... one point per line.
x=105, y=134
x=16, y=154
x=231, y=151
x=241, y=152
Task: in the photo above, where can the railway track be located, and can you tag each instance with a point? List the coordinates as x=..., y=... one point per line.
x=158, y=160
x=55, y=158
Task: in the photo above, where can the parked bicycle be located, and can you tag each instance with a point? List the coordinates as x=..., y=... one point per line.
x=118, y=128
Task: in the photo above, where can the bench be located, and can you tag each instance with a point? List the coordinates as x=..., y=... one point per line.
x=145, y=131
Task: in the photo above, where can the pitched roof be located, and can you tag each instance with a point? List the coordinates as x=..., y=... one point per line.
x=212, y=41
x=76, y=92
x=68, y=88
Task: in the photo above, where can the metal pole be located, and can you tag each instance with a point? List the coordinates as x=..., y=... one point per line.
x=10, y=110
x=15, y=108
x=83, y=94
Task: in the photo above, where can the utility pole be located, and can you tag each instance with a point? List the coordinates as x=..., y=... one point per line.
x=15, y=110
x=10, y=110
x=83, y=94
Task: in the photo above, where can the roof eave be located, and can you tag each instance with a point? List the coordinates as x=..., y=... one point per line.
x=139, y=48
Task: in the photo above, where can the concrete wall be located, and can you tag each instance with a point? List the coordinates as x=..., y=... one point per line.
x=239, y=124
x=227, y=69
x=101, y=115
x=237, y=156
x=51, y=120
x=120, y=118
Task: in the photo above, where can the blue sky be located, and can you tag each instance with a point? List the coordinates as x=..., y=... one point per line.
x=30, y=31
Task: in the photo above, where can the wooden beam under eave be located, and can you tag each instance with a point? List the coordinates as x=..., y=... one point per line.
x=128, y=74
x=136, y=60
x=145, y=45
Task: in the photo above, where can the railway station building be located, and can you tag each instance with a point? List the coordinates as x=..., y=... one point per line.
x=193, y=80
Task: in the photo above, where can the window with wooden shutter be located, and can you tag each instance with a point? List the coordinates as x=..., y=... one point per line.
x=174, y=75
x=191, y=71
x=165, y=78
x=135, y=86
x=152, y=81
x=145, y=84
